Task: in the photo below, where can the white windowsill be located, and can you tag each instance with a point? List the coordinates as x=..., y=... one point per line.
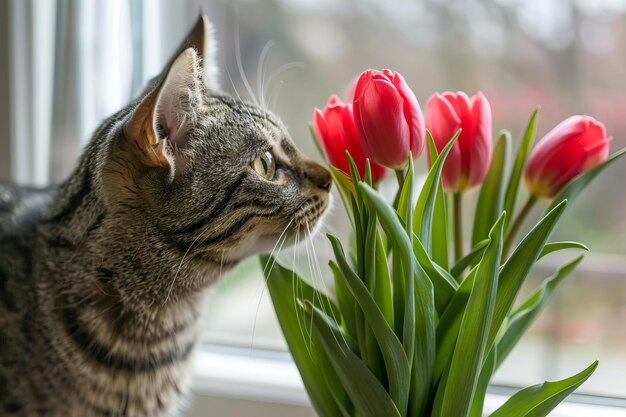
x=269, y=382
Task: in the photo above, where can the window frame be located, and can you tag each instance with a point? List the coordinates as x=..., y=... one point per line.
x=224, y=378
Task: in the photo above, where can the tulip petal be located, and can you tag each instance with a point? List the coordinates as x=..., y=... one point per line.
x=382, y=129
x=596, y=153
x=571, y=127
x=574, y=146
x=334, y=100
x=443, y=122
x=334, y=128
x=460, y=102
x=412, y=114
x=482, y=145
x=363, y=80
x=463, y=108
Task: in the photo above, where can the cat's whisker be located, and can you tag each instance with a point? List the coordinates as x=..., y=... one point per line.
x=284, y=68
x=242, y=73
x=95, y=282
x=313, y=278
x=180, y=265
x=272, y=258
x=313, y=284
x=277, y=73
x=260, y=71
x=275, y=246
x=325, y=288
x=221, y=265
x=253, y=122
x=274, y=95
x=294, y=286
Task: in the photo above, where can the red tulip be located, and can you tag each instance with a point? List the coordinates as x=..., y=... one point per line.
x=576, y=145
x=334, y=128
x=388, y=118
x=470, y=156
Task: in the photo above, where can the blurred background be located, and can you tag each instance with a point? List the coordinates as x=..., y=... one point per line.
x=66, y=65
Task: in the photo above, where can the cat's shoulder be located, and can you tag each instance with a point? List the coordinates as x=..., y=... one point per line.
x=21, y=207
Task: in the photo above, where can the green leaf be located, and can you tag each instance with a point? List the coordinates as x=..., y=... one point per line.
x=578, y=184
x=522, y=318
x=361, y=328
x=317, y=143
x=425, y=207
x=491, y=198
x=399, y=290
x=516, y=268
x=405, y=202
x=455, y=394
x=402, y=247
x=382, y=291
x=367, y=393
x=539, y=400
x=304, y=346
x=469, y=259
x=367, y=178
x=345, y=301
x=478, y=400
x=370, y=272
x=445, y=286
x=450, y=324
x=512, y=275
x=522, y=153
x=425, y=349
x=396, y=362
x=440, y=244
x=355, y=175
x=556, y=246
x=346, y=189
x=342, y=400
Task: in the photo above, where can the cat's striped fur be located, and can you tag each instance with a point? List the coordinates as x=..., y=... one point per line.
x=102, y=280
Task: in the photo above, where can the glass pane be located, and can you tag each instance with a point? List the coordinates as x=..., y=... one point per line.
x=569, y=57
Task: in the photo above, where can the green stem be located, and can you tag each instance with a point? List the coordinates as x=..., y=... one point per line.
x=400, y=177
x=517, y=224
x=458, y=226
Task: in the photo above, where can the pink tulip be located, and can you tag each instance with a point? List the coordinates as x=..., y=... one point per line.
x=470, y=156
x=388, y=118
x=574, y=146
x=334, y=128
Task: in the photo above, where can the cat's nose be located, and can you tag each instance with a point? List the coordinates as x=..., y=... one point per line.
x=319, y=176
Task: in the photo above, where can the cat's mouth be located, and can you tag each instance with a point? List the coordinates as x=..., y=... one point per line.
x=309, y=214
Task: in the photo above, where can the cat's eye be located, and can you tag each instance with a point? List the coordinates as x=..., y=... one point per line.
x=265, y=165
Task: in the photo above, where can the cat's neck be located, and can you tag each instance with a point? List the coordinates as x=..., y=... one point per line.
x=118, y=262
x=117, y=298
x=120, y=302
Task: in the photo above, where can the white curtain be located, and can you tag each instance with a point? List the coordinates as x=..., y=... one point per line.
x=72, y=63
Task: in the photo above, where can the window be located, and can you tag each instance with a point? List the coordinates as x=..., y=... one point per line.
x=567, y=56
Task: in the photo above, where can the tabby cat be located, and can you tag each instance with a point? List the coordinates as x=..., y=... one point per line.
x=102, y=279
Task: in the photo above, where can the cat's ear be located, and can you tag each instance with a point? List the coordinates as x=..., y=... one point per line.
x=202, y=39
x=157, y=131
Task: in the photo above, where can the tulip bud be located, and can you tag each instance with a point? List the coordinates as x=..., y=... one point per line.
x=468, y=161
x=334, y=128
x=576, y=145
x=388, y=118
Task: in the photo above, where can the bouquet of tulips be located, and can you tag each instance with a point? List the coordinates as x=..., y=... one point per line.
x=410, y=330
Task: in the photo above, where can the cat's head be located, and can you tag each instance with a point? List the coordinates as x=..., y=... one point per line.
x=217, y=176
